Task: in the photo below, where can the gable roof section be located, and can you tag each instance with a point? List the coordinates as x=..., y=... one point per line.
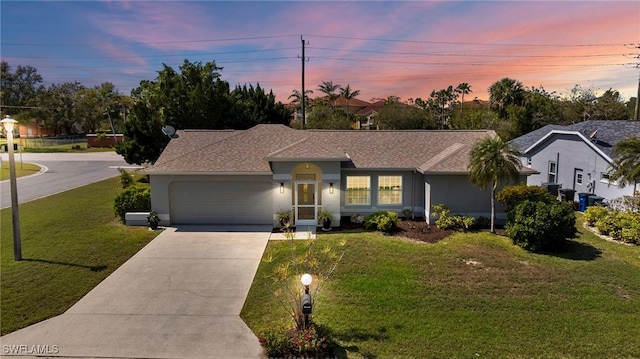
x=250, y=151
x=607, y=134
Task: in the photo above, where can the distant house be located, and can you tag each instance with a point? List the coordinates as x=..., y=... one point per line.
x=248, y=176
x=577, y=156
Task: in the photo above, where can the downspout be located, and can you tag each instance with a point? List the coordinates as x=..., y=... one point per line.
x=413, y=192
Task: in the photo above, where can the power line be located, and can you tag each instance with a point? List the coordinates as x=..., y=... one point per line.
x=469, y=43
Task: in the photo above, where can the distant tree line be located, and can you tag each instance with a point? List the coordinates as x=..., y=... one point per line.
x=512, y=109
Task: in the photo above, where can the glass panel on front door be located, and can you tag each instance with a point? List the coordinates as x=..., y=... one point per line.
x=306, y=201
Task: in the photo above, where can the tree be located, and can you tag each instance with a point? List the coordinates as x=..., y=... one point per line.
x=19, y=90
x=398, y=116
x=324, y=117
x=463, y=89
x=347, y=94
x=297, y=97
x=193, y=98
x=610, y=106
x=493, y=161
x=329, y=89
x=504, y=93
x=254, y=106
x=626, y=166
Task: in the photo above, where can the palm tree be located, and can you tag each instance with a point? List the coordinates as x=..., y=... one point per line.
x=504, y=93
x=329, y=89
x=463, y=89
x=347, y=94
x=491, y=162
x=297, y=98
x=626, y=167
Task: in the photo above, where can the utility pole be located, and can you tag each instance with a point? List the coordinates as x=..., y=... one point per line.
x=635, y=113
x=303, y=94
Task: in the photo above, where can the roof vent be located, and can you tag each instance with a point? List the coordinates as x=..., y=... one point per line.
x=592, y=136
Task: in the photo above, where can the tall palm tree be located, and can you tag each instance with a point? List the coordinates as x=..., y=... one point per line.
x=297, y=98
x=347, y=94
x=463, y=89
x=493, y=161
x=626, y=166
x=504, y=93
x=329, y=89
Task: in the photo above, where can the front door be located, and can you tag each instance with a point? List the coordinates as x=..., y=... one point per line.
x=306, y=203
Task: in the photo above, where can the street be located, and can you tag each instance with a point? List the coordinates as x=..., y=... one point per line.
x=64, y=171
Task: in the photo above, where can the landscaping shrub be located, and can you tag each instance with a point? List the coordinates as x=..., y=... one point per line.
x=446, y=221
x=132, y=199
x=384, y=221
x=594, y=213
x=314, y=341
x=540, y=226
x=510, y=196
x=126, y=178
x=621, y=226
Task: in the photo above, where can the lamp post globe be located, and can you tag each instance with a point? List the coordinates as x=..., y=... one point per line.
x=8, y=123
x=306, y=279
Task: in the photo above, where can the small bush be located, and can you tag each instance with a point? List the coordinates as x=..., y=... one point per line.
x=594, y=213
x=446, y=221
x=540, y=226
x=384, y=221
x=132, y=199
x=315, y=341
x=621, y=226
x=126, y=178
x=510, y=196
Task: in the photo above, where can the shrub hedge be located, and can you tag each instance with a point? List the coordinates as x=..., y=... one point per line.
x=384, y=221
x=539, y=226
x=132, y=199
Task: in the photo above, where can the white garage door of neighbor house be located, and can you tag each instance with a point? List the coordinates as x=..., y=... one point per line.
x=221, y=202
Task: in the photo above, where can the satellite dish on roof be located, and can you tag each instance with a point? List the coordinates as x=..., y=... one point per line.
x=169, y=131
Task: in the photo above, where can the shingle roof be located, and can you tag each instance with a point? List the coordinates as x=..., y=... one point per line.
x=250, y=151
x=608, y=134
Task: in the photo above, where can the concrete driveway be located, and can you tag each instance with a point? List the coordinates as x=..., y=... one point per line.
x=179, y=297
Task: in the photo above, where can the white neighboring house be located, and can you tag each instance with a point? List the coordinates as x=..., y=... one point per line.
x=577, y=156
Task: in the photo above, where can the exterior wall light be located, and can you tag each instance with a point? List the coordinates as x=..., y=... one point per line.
x=281, y=187
x=331, y=188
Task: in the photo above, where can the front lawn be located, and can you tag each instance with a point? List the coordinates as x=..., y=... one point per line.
x=70, y=242
x=470, y=295
x=22, y=169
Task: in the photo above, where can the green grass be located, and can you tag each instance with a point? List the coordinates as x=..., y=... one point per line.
x=468, y=296
x=70, y=242
x=22, y=169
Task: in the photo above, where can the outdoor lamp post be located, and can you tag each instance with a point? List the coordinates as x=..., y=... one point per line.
x=8, y=124
x=306, y=280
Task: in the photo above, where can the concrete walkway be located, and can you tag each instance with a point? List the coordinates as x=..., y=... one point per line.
x=179, y=297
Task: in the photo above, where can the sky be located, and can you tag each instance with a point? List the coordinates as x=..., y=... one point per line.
x=382, y=48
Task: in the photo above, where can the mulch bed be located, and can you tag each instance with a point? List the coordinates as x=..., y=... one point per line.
x=416, y=229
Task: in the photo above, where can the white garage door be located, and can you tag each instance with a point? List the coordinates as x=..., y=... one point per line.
x=230, y=202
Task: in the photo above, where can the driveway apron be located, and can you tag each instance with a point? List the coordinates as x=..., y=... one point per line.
x=179, y=297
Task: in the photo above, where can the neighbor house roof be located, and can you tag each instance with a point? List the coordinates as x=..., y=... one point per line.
x=252, y=150
x=601, y=134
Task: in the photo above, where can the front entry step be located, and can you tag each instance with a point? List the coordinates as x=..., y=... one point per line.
x=300, y=232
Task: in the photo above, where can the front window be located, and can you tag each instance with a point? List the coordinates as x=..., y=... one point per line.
x=390, y=190
x=552, y=172
x=358, y=190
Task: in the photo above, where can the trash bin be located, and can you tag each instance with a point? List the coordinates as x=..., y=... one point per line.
x=551, y=187
x=567, y=194
x=594, y=200
x=582, y=201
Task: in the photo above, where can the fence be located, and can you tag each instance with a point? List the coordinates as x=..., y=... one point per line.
x=49, y=142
